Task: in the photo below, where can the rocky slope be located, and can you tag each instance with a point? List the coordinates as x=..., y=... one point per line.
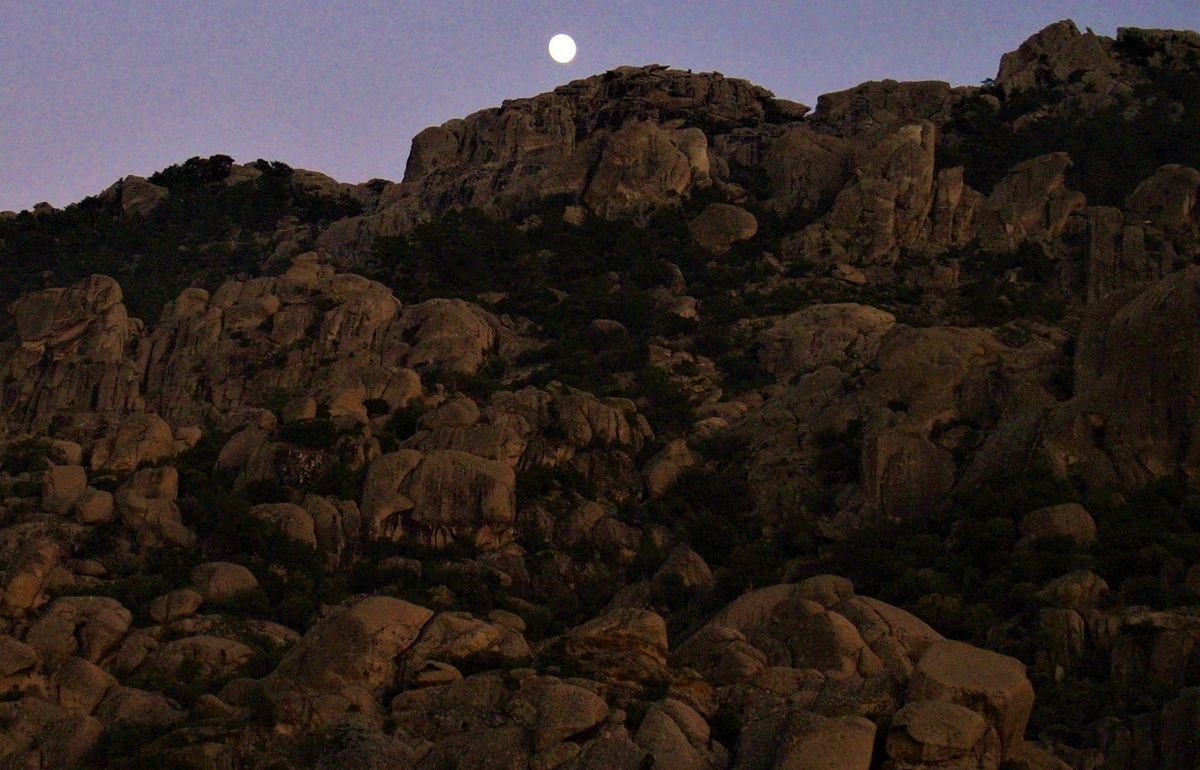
x=653, y=421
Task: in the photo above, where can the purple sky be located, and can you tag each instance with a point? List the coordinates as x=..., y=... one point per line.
x=92, y=91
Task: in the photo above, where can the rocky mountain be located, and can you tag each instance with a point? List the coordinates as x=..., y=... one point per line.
x=654, y=421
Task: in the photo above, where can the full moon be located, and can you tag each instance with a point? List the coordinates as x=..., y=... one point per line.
x=562, y=48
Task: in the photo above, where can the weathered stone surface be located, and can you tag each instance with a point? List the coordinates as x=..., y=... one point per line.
x=905, y=476
x=90, y=626
x=1069, y=520
x=844, y=335
x=1079, y=590
x=290, y=520
x=458, y=637
x=1031, y=201
x=684, y=567
x=930, y=733
x=801, y=740
x=665, y=468
x=62, y=486
x=1167, y=200
x=627, y=645
x=1131, y=421
x=1055, y=56
x=79, y=686
x=885, y=209
x=449, y=334
x=131, y=707
x=1156, y=645
x=136, y=195
x=218, y=581
x=992, y=685
x=563, y=710
x=719, y=226
x=26, y=580
x=175, y=605
x=345, y=660
x=210, y=657
x=882, y=104
x=15, y=656
x=678, y=738
x=141, y=438
x=94, y=506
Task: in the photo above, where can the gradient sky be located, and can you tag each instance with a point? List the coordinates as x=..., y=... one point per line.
x=92, y=91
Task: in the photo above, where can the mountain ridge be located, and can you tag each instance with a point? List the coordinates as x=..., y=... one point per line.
x=647, y=420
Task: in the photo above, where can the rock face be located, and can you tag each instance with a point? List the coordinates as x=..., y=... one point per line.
x=437, y=496
x=1130, y=422
x=346, y=661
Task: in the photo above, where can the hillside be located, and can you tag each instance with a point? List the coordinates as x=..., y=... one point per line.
x=654, y=421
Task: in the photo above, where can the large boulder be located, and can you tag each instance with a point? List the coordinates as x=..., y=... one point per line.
x=1069, y=520
x=218, y=581
x=438, y=497
x=720, y=225
x=1056, y=56
x=88, y=626
x=843, y=335
x=140, y=439
x=1031, y=201
x=994, y=686
x=641, y=166
x=62, y=486
x=625, y=645
x=802, y=740
x=25, y=582
x=345, y=661
x=930, y=733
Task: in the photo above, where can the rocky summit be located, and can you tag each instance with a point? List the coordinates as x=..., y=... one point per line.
x=654, y=421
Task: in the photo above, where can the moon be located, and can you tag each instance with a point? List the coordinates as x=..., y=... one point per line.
x=562, y=48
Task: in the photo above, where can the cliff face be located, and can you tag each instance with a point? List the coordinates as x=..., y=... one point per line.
x=548, y=455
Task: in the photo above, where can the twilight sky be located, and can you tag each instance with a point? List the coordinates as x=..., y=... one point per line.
x=91, y=91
